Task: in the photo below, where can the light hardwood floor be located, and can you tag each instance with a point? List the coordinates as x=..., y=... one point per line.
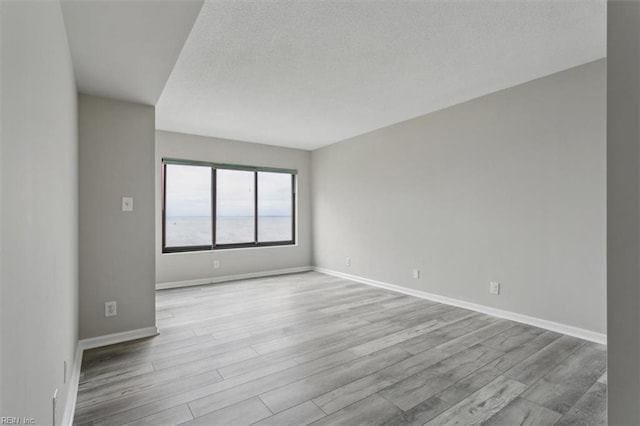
x=311, y=348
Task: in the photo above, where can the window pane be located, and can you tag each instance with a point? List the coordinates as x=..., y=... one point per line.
x=274, y=207
x=235, y=207
x=188, y=206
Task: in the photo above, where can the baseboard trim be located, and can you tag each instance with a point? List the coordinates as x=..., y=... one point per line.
x=72, y=388
x=580, y=333
x=214, y=280
x=110, y=339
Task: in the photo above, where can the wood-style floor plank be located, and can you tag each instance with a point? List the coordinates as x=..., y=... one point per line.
x=563, y=386
x=315, y=349
x=301, y=415
x=418, y=387
x=591, y=409
x=482, y=404
x=536, y=366
x=522, y=412
x=305, y=389
x=420, y=414
x=493, y=369
x=171, y=416
x=243, y=413
x=373, y=410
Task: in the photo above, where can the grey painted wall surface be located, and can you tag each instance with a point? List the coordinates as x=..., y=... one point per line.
x=116, y=150
x=1, y=256
x=509, y=187
x=196, y=265
x=623, y=212
x=39, y=225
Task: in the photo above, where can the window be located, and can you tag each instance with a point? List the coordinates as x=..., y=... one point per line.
x=275, y=207
x=187, y=203
x=208, y=206
x=235, y=212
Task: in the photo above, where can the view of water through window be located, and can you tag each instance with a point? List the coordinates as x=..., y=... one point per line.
x=185, y=230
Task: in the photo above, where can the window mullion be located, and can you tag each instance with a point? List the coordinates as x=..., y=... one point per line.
x=293, y=208
x=164, y=206
x=255, y=207
x=214, y=212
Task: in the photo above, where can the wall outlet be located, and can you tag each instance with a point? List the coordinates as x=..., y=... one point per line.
x=348, y=261
x=494, y=287
x=127, y=204
x=110, y=309
x=216, y=264
x=416, y=273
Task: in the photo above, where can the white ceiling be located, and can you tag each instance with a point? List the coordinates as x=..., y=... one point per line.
x=127, y=49
x=306, y=74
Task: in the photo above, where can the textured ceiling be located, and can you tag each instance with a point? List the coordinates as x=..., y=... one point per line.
x=307, y=74
x=127, y=49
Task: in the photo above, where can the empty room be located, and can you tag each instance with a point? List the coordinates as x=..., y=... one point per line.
x=319, y=212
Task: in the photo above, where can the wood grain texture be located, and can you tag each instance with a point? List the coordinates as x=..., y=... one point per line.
x=301, y=415
x=493, y=369
x=563, y=386
x=314, y=349
x=171, y=416
x=537, y=365
x=373, y=410
x=418, y=387
x=521, y=412
x=591, y=408
x=240, y=414
x=305, y=389
x=482, y=404
x=420, y=414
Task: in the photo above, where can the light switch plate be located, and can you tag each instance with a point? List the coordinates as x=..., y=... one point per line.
x=127, y=204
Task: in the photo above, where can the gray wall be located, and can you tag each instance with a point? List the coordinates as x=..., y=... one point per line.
x=39, y=216
x=198, y=265
x=116, y=150
x=1, y=256
x=509, y=187
x=623, y=212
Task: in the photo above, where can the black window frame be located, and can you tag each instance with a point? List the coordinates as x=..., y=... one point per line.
x=214, y=167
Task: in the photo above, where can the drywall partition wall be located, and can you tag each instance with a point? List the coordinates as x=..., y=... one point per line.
x=39, y=211
x=623, y=213
x=509, y=187
x=116, y=248
x=197, y=267
x=1, y=329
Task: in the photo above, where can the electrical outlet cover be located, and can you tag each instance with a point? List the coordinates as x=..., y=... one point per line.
x=127, y=204
x=110, y=309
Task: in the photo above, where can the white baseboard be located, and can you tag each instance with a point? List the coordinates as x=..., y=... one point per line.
x=580, y=333
x=213, y=280
x=72, y=388
x=110, y=339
